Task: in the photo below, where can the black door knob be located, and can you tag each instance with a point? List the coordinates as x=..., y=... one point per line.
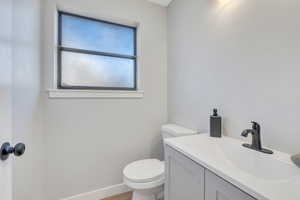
x=6, y=150
x=19, y=149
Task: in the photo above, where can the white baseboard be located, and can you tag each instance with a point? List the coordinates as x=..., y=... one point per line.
x=101, y=193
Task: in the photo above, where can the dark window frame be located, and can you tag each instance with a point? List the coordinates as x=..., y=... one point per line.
x=60, y=49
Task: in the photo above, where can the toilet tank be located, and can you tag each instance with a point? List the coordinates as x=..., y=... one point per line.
x=173, y=130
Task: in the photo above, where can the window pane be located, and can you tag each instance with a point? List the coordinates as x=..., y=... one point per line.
x=94, y=35
x=96, y=71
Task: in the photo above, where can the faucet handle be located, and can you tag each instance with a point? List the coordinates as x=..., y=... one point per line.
x=255, y=125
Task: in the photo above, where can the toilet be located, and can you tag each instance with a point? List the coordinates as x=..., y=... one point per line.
x=146, y=177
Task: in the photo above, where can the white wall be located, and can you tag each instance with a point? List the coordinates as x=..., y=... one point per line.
x=243, y=58
x=89, y=141
x=29, y=170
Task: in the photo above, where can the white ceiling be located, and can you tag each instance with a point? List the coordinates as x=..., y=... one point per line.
x=161, y=2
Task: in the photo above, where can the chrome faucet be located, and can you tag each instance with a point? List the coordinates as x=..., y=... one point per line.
x=256, y=139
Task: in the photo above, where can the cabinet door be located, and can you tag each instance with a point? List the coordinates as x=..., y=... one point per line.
x=184, y=178
x=218, y=189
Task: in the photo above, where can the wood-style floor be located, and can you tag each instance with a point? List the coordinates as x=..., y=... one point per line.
x=125, y=196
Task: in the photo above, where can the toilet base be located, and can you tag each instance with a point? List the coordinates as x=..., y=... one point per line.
x=148, y=194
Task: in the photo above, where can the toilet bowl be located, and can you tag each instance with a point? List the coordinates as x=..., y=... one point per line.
x=146, y=177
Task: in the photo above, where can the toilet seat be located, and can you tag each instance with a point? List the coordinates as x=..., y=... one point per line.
x=144, y=174
x=144, y=171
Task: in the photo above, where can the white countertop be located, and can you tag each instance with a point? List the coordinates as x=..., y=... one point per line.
x=263, y=176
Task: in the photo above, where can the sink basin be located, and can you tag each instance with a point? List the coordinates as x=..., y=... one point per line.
x=256, y=163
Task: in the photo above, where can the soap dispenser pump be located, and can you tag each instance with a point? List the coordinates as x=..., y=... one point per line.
x=215, y=124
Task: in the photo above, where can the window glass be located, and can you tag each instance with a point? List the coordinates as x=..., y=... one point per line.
x=95, y=54
x=96, y=71
x=94, y=35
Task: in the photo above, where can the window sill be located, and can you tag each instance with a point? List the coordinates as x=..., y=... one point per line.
x=93, y=94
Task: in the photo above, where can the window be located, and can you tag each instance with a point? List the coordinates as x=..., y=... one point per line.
x=95, y=54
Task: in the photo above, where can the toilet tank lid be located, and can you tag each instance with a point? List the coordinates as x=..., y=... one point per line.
x=177, y=130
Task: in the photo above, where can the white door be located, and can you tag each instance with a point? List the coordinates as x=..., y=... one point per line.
x=5, y=94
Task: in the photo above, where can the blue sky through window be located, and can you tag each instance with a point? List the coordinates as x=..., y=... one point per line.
x=93, y=35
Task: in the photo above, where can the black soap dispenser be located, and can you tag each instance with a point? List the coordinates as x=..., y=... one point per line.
x=215, y=124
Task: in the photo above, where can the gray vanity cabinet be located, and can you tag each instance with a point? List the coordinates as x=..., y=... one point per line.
x=187, y=180
x=218, y=189
x=184, y=177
